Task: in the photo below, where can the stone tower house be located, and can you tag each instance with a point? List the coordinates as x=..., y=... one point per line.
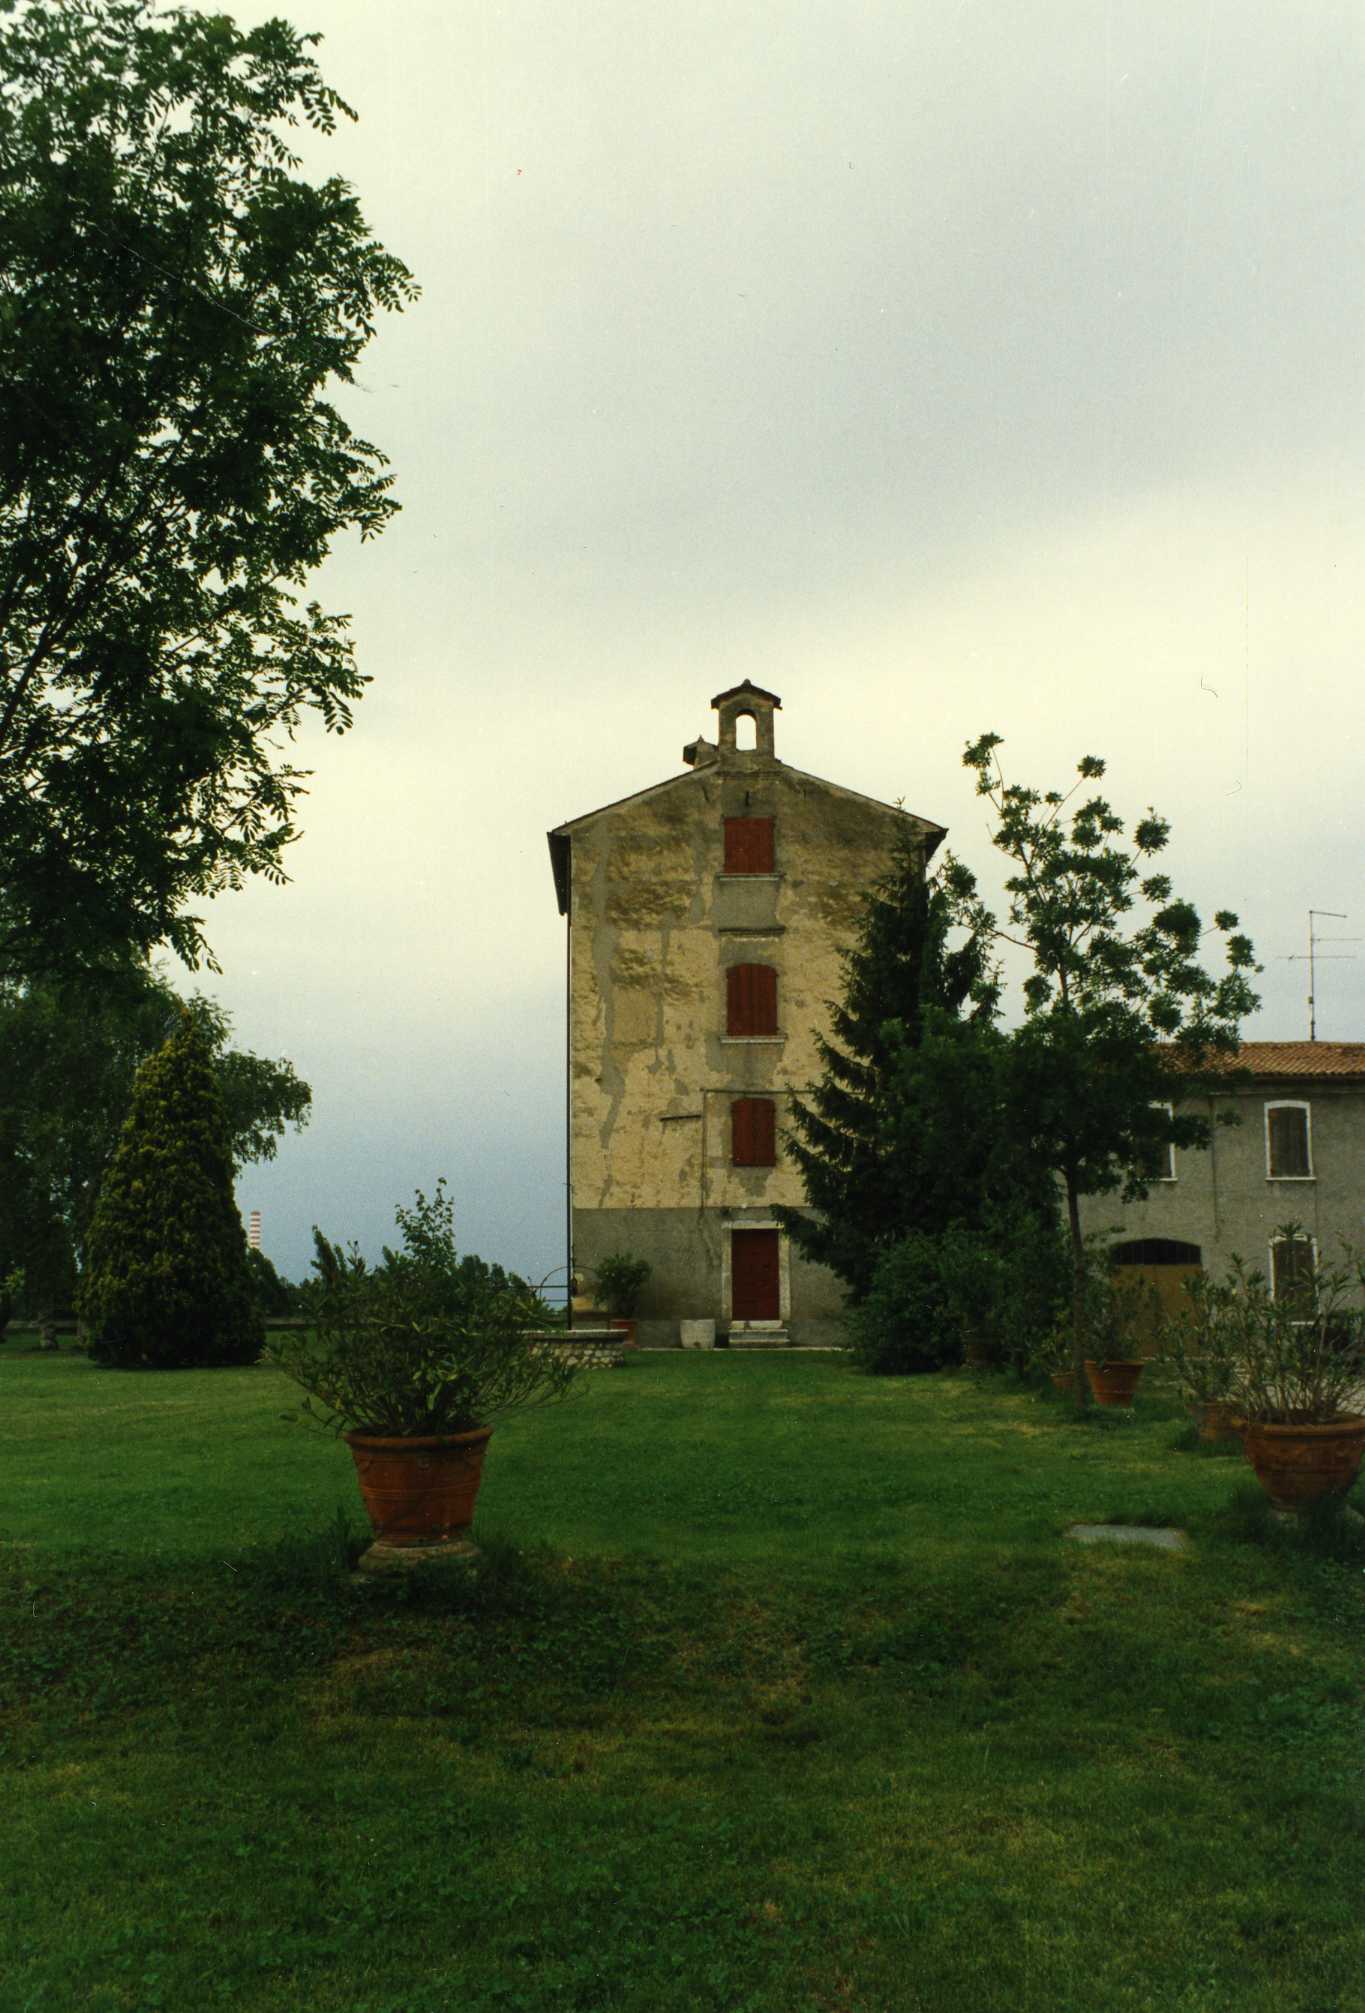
x=705, y=920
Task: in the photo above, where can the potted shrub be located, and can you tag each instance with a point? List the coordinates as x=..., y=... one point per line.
x=1051, y=1357
x=620, y=1282
x=1117, y=1318
x=1201, y=1347
x=412, y=1362
x=1299, y=1376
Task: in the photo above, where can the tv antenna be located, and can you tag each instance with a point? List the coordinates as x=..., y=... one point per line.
x=1314, y=940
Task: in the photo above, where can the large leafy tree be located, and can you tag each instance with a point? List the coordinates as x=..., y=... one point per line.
x=1122, y=1017
x=68, y=1058
x=175, y=300
x=167, y=1281
x=867, y=1183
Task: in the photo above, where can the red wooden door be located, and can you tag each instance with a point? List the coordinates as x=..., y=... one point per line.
x=755, y=1284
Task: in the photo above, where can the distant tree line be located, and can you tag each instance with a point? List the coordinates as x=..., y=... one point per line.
x=70, y=1053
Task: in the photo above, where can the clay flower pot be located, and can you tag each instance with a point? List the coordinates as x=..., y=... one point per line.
x=1216, y=1419
x=1063, y=1380
x=1300, y=1465
x=1114, y=1383
x=419, y=1491
x=626, y=1324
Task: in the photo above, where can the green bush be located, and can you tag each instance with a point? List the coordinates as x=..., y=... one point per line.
x=1033, y=1284
x=620, y=1281
x=906, y=1323
x=1004, y=1285
x=426, y=1343
x=274, y=1295
x=167, y=1283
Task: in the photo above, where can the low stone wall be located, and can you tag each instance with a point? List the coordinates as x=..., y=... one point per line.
x=587, y=1348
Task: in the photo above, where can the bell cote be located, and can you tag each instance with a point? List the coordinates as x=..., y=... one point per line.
x=747, y=703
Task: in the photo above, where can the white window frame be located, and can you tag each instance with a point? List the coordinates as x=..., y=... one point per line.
x=1290, y=1104
x=1169, y=1175
x=1275, y=1243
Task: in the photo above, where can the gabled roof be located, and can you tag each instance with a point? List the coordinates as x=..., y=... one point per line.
x=561, y=837
x=746, y=689
x=1342, y=1061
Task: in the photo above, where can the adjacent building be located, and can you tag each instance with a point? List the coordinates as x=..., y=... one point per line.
x=706, y=915
x=1296, y=1156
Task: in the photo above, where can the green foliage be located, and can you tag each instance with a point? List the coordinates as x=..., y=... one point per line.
x=69, y=1054
x=621, y=1280
x=426, y=1343
x=1001, y=1283
x=273, y=1295
x=167, y=1282
x=1200, y=1345
x=1122, y=1315
x=1121, y=1016
x=902, y=1322
x=175, y=301
x=891, y=1140
x=1030, y=1276
x=1295, y=1360
x=921, y=1197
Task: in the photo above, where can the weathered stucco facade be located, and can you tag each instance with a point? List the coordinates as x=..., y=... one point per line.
x=1297, y=1155
x=683, y=1055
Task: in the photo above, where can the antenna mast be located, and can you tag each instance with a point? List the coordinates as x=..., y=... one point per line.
x=1313, y=941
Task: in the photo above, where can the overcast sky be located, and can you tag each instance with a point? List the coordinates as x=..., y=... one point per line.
x=941, y=367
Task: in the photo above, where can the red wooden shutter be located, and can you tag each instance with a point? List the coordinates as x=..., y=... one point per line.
x=749, y=846
x=751, y=999
x=753, y=1132
x=755, y=1277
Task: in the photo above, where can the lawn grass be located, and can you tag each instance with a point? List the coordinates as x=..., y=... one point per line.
x=778, y=1689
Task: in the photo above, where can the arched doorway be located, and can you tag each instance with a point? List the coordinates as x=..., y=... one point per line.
x=1161, y=1262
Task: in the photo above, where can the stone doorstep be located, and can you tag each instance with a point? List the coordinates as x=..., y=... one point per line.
x=1155, y=1537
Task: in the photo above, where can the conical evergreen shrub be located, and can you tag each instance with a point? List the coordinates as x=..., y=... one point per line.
x=167, y=1282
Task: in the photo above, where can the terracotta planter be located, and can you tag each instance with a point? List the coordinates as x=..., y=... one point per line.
x=1064, y=1380
x=626, y=1323
x=1299, y=1465
x=1217, y=1420
x=419, y=1491
x=1114, y=1383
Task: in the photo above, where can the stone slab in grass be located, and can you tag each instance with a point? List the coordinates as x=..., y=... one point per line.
x=383, y=1560
x=1159, y=1538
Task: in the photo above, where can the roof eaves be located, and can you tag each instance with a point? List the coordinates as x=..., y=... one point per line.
x=636, y=797
x=927, y=825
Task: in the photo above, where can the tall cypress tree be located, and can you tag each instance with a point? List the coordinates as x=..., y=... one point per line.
x=167, y=1281
x=901, y=979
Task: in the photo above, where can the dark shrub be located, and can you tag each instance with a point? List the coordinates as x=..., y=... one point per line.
x=904, y=1323
x=167, y=1281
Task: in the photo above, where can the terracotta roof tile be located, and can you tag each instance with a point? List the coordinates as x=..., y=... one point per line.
x=1343, y=1059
